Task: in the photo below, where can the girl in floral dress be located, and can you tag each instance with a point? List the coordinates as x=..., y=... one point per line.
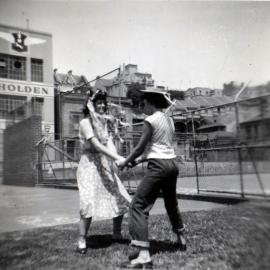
x=102, y=194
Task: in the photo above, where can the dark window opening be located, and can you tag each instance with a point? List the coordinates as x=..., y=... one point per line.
x=71, y=147
x=10, y=105
x=12, y=67
x=37, y=105
x=36, y=70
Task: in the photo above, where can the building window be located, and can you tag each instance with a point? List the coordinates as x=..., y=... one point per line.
x=37, y=105
x=255, y=131
x=10, y=105
x=12, y=67
x=71, y=147
x=36, y=70
x=248, y=132
x=266, y=130
x=75, y=118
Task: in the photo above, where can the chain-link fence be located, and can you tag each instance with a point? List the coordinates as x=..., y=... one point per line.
x=232, y=155
x=228, y=152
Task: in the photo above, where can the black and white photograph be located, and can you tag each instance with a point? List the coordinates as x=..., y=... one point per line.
x=134, y=134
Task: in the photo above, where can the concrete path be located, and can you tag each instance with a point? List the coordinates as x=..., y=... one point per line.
x=23, y=208
x=228, y=183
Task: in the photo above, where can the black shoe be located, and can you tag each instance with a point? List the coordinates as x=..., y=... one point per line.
x=133, y=255
x=128, y=265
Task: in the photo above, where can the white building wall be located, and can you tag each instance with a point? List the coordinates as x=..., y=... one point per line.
x=37, y=45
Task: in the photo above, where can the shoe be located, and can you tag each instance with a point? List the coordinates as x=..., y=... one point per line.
x=133, y=255
x=82, y=248
x=128, y=265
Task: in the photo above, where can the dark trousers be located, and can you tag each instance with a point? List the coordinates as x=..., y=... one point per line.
x=161, y=176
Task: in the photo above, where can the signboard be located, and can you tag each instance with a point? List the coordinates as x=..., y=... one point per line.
x=20, y=42
x=25, y=89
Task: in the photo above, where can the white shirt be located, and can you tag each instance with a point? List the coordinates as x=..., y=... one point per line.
x=161, y=144
x=85, y=133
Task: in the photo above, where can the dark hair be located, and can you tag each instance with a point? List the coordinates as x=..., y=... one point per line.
x=95, y=97
x=157, y=100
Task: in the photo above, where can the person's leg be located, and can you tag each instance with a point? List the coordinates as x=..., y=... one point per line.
x=142, y=202
x=84, y=225
x=171, y=203
x=117, y=223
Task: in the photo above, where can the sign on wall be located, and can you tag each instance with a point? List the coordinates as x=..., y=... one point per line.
x=18, y=44
x=19, y=41
x=25, y=89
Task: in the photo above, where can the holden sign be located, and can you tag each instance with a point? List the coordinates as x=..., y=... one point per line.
x=25, y=89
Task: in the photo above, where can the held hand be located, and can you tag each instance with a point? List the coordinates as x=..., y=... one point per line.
x=132, y=164
x=120, y=162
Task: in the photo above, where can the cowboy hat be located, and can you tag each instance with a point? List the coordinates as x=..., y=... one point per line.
x=161, y=95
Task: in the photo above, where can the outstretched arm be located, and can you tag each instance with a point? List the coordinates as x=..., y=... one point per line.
x=86, y=130
x=103, y=149
x=140, y=147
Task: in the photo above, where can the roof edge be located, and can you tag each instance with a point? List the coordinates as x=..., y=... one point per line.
x=26, y=30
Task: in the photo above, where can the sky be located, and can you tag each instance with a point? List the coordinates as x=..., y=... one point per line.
x=182, y=44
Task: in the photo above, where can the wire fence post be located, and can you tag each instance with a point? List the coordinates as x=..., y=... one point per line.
x=39, y=160
x=195, y=154
x=239, y=150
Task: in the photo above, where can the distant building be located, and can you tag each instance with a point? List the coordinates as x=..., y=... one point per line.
x=25, y=73
x=255, y=125
x=117, y=88
x=182, y=116
x=70, y=93
x=202, y=91
x=128, y=74
x=255, y=91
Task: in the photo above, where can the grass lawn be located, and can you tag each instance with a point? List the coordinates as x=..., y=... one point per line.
x=235, y=237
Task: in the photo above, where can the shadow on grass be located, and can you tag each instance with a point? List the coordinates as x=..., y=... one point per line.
x=235, y=237
x=103, y=241
x=100, y=241
x=163, y=246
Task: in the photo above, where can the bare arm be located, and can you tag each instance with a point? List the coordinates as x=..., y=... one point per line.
x=103, y=149
x=140, y=147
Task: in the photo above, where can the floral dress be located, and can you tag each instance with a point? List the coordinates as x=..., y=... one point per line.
x=102, y=194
